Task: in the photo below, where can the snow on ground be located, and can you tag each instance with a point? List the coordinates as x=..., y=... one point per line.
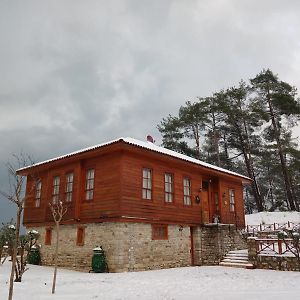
x=273, y=217
x=205, y=283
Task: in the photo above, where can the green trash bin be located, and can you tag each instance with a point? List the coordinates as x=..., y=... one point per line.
x=34, y=257
x=99, y=264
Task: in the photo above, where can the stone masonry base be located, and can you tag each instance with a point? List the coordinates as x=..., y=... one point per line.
x=130, y=247
x=213, y=241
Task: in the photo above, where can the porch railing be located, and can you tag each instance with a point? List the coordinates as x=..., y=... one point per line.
x=275, y=246
x=272, y=227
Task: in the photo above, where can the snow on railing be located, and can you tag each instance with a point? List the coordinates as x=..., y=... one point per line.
x=272, y=227
x=275, y=247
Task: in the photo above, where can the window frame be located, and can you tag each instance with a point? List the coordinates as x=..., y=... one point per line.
x=169, y=195
x=89, y=190
x=55, y=189
x=80, y=236
x=38, y=194
x=148, y=188
x=156, y=233
x=189, y=195
x=231, y=194
x=69, y=187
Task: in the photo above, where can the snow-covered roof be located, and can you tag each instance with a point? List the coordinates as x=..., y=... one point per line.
x=146, y=145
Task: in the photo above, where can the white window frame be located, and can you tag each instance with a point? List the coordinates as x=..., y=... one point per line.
x=69, y=186
x=169, y=187
x=231, y=200
x=89, y=184
x=147, y=184
x=187, y=191
x=38, y=193
x=55, y=189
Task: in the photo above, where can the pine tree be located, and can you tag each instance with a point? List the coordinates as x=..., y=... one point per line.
x=278, y=99
x=241, y=121
x=193, y=119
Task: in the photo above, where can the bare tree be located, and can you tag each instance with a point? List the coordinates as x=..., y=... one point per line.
x=58, y=210
x=16, y=196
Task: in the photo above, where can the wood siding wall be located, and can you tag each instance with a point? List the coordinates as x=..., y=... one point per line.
x=105, y=202
x=132, y=203
x=238, y=216
x=118, y=190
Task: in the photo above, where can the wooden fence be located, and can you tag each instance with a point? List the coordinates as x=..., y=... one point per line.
x=274, y=227
x=275, y=246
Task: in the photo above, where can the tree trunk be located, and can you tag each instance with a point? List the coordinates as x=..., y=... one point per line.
x=226, y=151
x=287, y=182
x=216, y=140
x=195, y=130
x=55, y=258
x=14, y=254
x=249, y=166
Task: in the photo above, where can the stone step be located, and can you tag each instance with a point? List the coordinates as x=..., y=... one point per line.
x=236, y=255
x=235, y=260
x=236, y=265
x=241, y=252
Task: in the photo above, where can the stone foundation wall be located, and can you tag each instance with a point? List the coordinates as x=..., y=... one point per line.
x=128, y=247
x=283, y=263
x=213, y=241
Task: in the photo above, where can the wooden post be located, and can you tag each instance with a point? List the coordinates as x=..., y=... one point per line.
x=280, y=246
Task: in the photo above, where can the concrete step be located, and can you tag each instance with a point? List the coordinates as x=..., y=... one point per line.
x=237, y=265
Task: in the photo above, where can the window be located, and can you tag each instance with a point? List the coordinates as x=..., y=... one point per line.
x=38, y=190
x=231, y=200
x=147, y=184
x=168, y=188
x=159, y=232
x=186, y=191
x=69, y=186
x=89, y=184
x=48, y=236
x=80, y=236
x=55, y=190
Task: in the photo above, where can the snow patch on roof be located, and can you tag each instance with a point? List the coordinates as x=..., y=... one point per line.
x=145, y=145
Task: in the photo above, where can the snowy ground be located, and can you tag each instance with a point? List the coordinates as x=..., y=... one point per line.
x=272, y=217
x=205, y=283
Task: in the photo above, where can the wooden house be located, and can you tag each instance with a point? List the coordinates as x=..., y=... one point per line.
x=146, y=205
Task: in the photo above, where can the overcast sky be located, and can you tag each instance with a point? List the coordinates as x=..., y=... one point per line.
x=77, y=73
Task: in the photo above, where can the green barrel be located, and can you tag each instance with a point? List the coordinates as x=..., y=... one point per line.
x=34, y=256
x=99, y=261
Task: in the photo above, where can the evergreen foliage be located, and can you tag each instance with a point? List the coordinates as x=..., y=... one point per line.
x=247, y=129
